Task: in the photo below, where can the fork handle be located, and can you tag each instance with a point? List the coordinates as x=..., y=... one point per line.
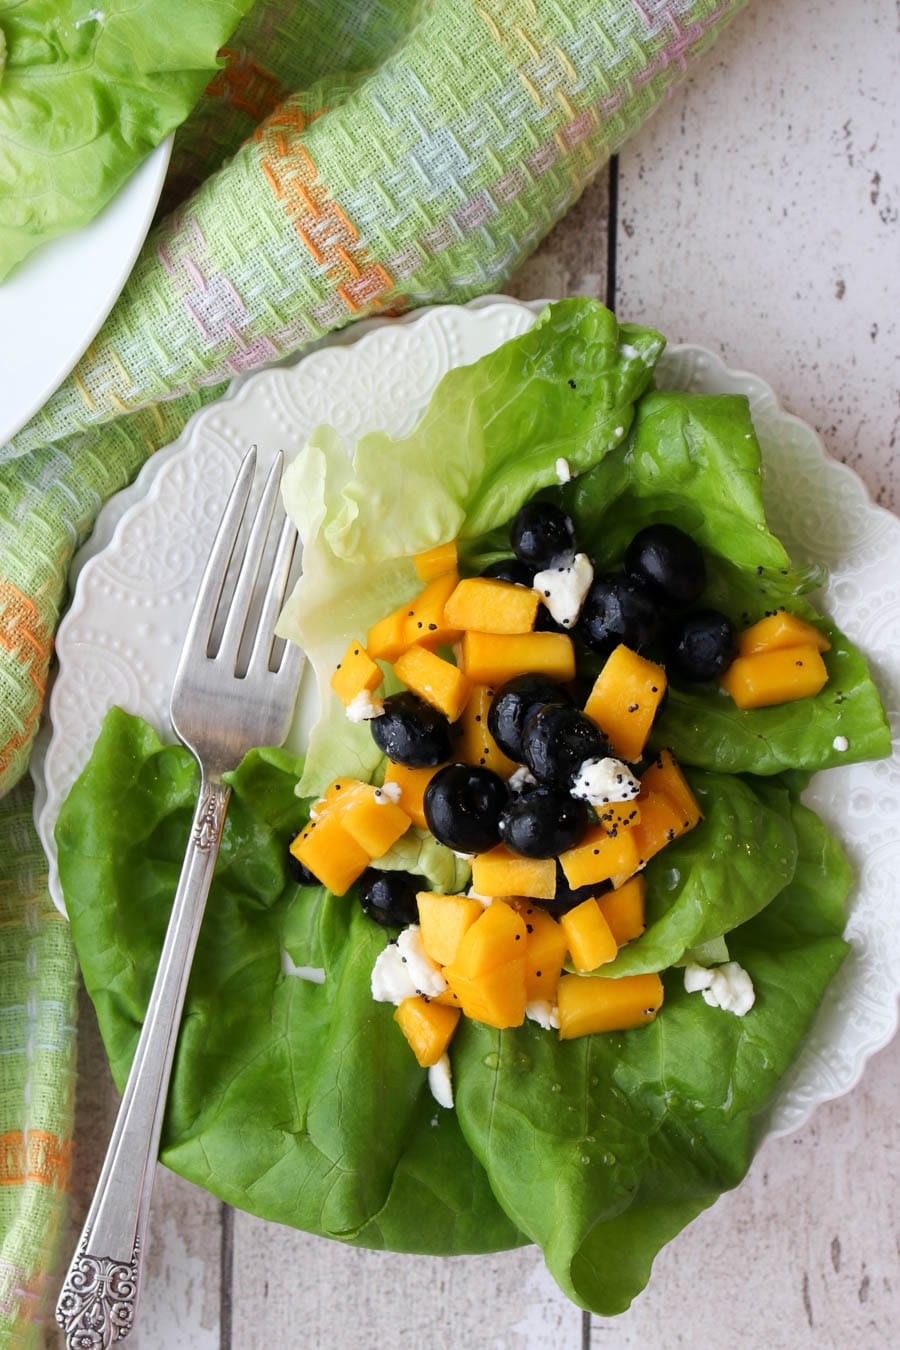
x=99, y=1296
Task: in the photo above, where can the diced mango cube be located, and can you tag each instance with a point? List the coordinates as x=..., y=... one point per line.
x=493, y=658
x=616, y=816
x=330, y=853
x=661, y=823
x=428, y=1026
x=435, y=562
x=600, y=856
x=623, y=909
x=412, y=784
x=545, y=952
x=435, y=680
x=386, y=639
x=592, y=1003
x=355, y=673
x=496, y=937
x=374, y=821
x=779, y=676
x=625, y=699
x=474, y=743
x=423, y=617
x=420, y=620
x=664, y=775
x=780, y=630
x=591, y=943
x=443, y=919
x=492, y=606
x=500, y=872
x=488, y=973
x=497, y=998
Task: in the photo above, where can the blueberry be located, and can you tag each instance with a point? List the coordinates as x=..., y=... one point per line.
x=511, y=570
x=411, y=732
x=463, y=805
x=618, y=609
x=541, y=535
x=512, y=704
x=556, y=740
x=670, y=564
x=543, y=822
x=390, y=897
x=701, y=646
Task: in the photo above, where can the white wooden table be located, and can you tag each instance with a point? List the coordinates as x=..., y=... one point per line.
x=757, y=214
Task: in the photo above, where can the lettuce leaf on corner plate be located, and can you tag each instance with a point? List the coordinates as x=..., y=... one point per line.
x=87, y=90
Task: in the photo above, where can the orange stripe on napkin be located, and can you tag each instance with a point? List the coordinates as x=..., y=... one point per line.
x=36, y=1156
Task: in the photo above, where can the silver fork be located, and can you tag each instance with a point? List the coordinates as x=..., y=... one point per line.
x=219, y=714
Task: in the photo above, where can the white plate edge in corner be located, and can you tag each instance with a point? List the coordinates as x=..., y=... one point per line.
x=813, y=1078
x=105, y=250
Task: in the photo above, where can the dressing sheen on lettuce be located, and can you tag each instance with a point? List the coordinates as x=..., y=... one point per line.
x=89, y=88
x=300, y=1101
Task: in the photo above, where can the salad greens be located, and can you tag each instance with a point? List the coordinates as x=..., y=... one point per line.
x=300, y=1101
x=117, y=76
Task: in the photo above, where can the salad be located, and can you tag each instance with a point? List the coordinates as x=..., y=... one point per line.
x=295, y=1094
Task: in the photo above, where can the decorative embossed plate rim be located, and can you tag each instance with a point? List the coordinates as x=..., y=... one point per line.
x=136, y=578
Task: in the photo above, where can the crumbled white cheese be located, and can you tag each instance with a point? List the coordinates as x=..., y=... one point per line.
x=545, y=1013
x=520, y=779
x=728, y=987
x=463, y=857
x=392, y=979
x=563, y=472
x=440, y=1080
x=562, y=588
x=388, y=792
x=696, y=978
x=840, y=743
x=600, y=781
x=364, y=707
x=426, y=974
x=620, y=431
x=313, y=974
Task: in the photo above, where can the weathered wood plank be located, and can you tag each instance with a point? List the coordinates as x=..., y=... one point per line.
x=759, y=216
x=179, y=1306
x=291, y=1289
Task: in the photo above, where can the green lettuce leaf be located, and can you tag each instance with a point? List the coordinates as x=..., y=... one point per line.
x=488, y=441
x=266, y=1061
x=695, y=462
x=88, y=90
x=599, y=1149
x=725, y=870
x=603, y=1148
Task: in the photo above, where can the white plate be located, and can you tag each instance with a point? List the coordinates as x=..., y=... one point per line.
x=138, y=576
x=54, y=302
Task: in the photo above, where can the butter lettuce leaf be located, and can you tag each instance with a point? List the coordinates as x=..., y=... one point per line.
x=602, y=1149
x=694, y=461
x=300, y=1102
x=89, y=88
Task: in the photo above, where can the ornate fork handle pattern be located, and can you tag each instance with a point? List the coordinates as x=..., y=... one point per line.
x=99, y=1301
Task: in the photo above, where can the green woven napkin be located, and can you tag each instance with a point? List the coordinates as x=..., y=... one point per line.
x=347, y=160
